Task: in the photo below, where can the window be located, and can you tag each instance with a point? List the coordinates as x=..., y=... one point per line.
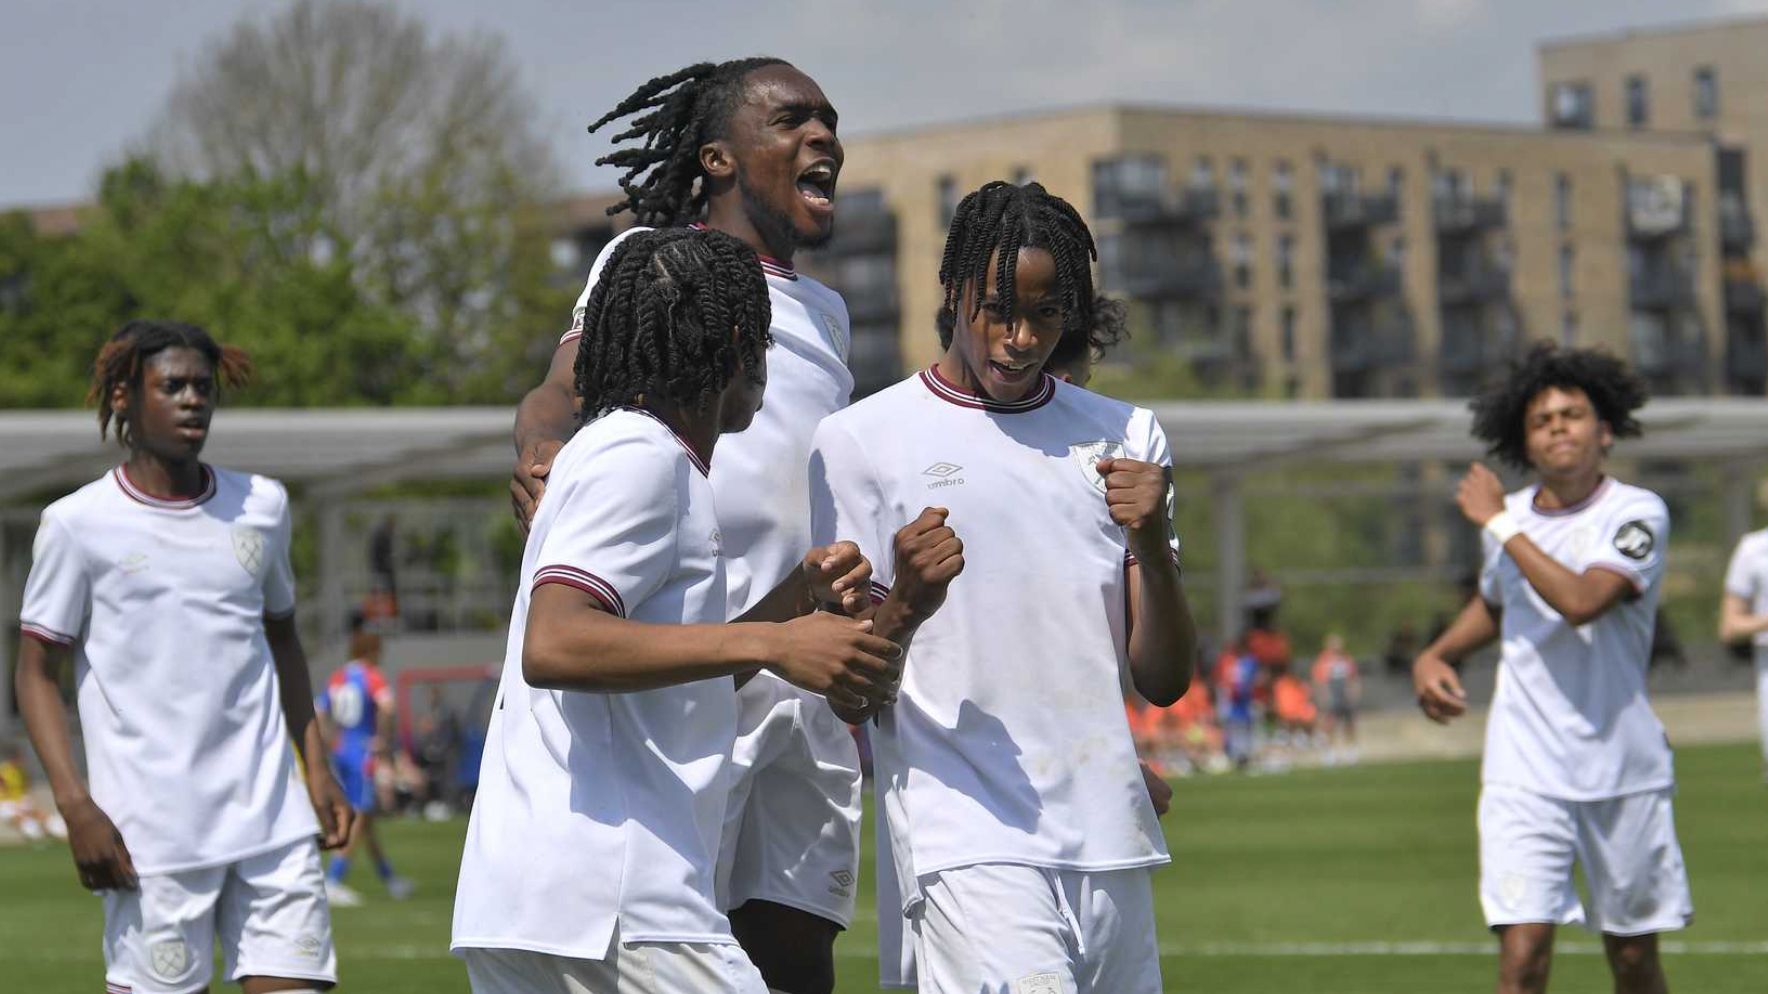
x=1203, y=174
x=1396, y=252
x=1566, y=257
x=1237, y=183
x=1288, y=334
x=1286, y=260
x=1125, y=184
x=1562, y=200
x=1283, y=182
x=1706, y=93
x=1568, y=329
x=1638, y=102
x=1396, y=182
x=948, y=199
x=1450, y=185
x=1243, y=260
x=1242, y=332
x=1501, y=188
x=1569, y=105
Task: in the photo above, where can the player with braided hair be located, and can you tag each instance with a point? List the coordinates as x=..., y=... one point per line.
x=748, y=147
x=1016, y=822
x=1576, y=767
x=592, y=856
x=168, y=581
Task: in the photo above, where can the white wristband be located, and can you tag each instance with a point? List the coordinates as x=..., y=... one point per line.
x=1503, y=527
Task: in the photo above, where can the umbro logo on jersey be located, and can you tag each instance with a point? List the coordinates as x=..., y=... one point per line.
x=134, y=562
x=1634, y=540
x=843, y=882
x=942, y=473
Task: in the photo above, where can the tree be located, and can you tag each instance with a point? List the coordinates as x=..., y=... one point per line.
x=421, y=162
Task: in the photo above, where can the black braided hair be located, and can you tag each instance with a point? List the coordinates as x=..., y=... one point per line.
x=122, y=359
x=1499, y=412
x=676, y=313
x=1110, y=326
x=999, y=220
x=677, y=114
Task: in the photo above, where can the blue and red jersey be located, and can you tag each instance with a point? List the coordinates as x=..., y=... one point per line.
x=357, y=698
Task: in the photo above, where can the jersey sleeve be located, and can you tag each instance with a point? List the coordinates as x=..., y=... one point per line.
x=847, y=502
x=279, y=579
x=1153, y=448
x=58, y=592
x=1490, y=553
x=575, y=331
x=379, y=690
x=1632, y=542
x=615, y=534
x=1741, y=577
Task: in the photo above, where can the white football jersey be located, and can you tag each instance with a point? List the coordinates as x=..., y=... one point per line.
x=1007, y=743
x=599, y=813
x=1747, y=577
x=163, y=602
x=1569, y=717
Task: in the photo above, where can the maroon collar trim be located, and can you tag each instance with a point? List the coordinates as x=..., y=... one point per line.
x=140, y=496
x=951, y=393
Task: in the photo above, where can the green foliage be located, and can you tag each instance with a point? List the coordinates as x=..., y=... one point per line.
x=255, y=262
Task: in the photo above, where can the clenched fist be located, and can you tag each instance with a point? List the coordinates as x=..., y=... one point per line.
x=1480, y=495
x=839, y=574
x=928, y=555
x=1136, y=494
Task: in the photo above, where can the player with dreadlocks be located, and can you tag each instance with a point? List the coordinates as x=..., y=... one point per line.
x=1018, y=826
x=168, y=582
x=749, y=148
x=592, y=853
x=1576, y=767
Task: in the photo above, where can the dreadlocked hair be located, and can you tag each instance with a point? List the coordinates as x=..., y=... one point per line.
x=1499, y=412
x=1110, y=326
x=675, y=314
x=998, y=221
x=121, y=361
x=677, y=114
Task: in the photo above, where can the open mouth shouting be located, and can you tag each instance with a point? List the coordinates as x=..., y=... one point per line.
x=816, y=186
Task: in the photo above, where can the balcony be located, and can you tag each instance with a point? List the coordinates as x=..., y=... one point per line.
x=1737, y=230
x=1744, y=297
x=1158, y=277
x=1353, y=210
x=864, y=232
x=1361, y=346
x=1662, y=288
x=1176, y=208
x=1657, y=207
x=1348, y=284
x=1466, y=215
x=871, y=303
x=1473, y=285
x=1746, y=356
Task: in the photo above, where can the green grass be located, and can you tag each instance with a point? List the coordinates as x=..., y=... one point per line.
x=1375, y=854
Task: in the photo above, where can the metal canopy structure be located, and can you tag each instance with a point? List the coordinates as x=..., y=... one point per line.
x=339, y=451
x=334, y=453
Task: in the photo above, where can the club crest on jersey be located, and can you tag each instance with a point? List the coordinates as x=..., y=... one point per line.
x=837, y=334
x=1086, y=455
x=170, y=959
x=1634, y=540
x=248, y=548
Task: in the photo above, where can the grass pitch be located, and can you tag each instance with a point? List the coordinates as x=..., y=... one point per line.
x=1339, y=881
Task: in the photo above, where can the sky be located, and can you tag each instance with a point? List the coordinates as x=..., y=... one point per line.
x=84, y=79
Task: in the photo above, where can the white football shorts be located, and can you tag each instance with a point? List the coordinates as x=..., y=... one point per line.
x=268, y=911
x=791, y=831
x=636, y=968
x=1003, y=928
x=1626, y=845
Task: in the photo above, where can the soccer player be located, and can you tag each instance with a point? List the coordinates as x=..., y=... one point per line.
x=358, y=702
x=1339, y=684
x=1576, y=767
x=1743, y=615
x=749, y=147
x=1019, y=827
x=593, y=845
x=168, y=582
